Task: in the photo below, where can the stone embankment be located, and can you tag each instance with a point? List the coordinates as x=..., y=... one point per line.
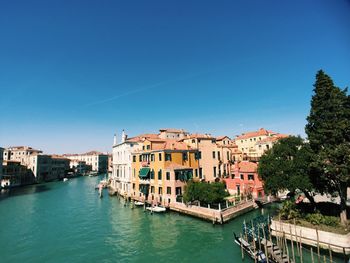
x=213, y=215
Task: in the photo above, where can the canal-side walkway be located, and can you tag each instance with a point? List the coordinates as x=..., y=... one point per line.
x=214, y=215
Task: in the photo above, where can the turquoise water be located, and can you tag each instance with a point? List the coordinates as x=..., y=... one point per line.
x=67, y=222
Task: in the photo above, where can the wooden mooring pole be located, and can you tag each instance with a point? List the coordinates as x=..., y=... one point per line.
x=318, y=247
x=291, y=240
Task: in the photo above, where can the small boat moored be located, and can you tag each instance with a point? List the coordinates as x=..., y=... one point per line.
x=156, y=209
x=65, y=179
x=258, y=255
x=138, y=203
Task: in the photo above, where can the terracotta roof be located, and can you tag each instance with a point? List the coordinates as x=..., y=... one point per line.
x=272, y=138
x=199, y=136
x=220, y=138
x=260, y=132
x=247, y=167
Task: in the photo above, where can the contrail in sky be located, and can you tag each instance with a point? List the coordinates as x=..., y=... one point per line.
x=142, y=88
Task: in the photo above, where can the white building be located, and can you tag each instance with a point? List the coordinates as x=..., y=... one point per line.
x=121, y=173
x=96, y=160
x=1, y=159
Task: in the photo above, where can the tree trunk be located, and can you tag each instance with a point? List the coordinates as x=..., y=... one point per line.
x=311, y=199
x=343, y=197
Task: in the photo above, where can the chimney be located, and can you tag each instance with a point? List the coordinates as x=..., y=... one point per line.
x=123, y=136
x=115, y=140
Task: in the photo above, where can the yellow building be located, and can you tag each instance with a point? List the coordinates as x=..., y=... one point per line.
x=160, y=170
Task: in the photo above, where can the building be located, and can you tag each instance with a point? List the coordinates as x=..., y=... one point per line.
x=245, y=181
x=120, y=179
x=161, y=168
x=43, y=167
x=254, y=144
x=1, y=159
x=97, y=160
x=15, y=174
x=20, y=153
x=78, y=167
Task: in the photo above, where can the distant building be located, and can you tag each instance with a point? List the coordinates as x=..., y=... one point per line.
x=1, y=159
x=16, y=174
x=244, y=180
x=43, y=167
x=78, y=167
x=254, y=144
x=97, y=160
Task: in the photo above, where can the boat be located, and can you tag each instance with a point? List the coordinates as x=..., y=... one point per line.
x=65, y=179
x=156, y=209
x=138, y=203
x=258, y=255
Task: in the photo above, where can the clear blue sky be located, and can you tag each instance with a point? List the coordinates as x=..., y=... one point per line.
x=72, y=73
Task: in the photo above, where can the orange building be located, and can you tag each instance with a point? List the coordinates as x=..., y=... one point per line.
x=160, y=170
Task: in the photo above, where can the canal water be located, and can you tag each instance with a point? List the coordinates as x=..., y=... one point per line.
x=68, y=222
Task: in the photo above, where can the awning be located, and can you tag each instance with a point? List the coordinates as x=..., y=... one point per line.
x=144, y=172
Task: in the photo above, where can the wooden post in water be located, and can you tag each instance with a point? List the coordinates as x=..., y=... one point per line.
x=324, y=259
x=266, y=249
x=296, y=238
x=301, y=249
x=254, y=244
x=286, y=244
x=312, y=256
x=318, y=247
x=242, y=248
x=259, y=240
x=291, y=240
x=330, y=253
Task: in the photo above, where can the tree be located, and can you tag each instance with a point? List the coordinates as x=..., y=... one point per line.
x=286, y=167
x=205, y=192
x=328, y=131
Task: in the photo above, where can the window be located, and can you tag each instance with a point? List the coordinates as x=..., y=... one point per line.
x=178, y=190
x=152, y=189
x=198, y=155
x=160, y=156
x=134, y=158
x=184, y=156
x=140, y=158
x=196, y=172
x=143, y=147
x=267, y=147
x=168, y=190
x=200, y=173
x=193, y=141
x=133, y=186
x=152, y=157
x=168, y=157
x=148, y=147
x=213, y=141
x=160, y=174
x=228, y=155
x=218, y=155
x=250, y=176
x=160, y=190
x=214, y=171
x=213, y=154
x=152, y=174
x=199, y=140
x=242, y=176
x=168, y=175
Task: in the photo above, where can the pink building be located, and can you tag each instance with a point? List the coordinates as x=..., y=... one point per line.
x=244, y=180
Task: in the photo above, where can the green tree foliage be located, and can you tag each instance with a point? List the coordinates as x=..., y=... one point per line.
x=205, y=192
x=286, y=166
x=328, y=131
